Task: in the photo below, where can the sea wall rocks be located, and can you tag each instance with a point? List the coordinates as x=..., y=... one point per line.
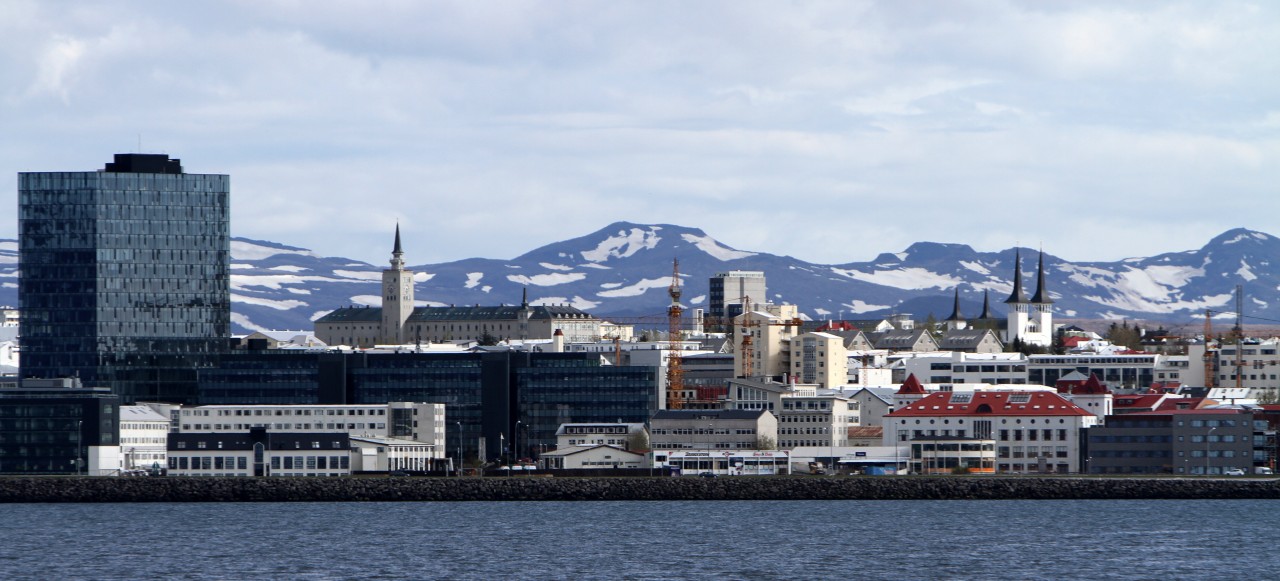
x=178, y=489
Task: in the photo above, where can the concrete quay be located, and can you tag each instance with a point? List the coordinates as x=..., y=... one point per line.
x=174, y=489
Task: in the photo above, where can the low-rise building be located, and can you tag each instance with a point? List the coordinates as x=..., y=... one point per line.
x=713, y=429
x=1032, y=431
x=725, y=463
x=592, y=457
x=144, y=436
x=622, y=436
x=1203, y=441
x=259, y=452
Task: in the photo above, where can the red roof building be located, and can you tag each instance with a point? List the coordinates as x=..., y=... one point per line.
x=1032, y=430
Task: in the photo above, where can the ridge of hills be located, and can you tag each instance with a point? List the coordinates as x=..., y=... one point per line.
x=624, y=269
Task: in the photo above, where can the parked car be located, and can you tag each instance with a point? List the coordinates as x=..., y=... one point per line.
x=1233, y=472
x=708, y=475
x=1262, y=470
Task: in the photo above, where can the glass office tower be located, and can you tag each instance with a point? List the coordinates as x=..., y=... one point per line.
x=124, y=276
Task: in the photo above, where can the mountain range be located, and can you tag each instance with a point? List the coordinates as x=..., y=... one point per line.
x=624, y=269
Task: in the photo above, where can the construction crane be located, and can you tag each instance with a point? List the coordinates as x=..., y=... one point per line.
x=1210, y=371
x=747, y=354
x=1239, y=331
x=675, y=370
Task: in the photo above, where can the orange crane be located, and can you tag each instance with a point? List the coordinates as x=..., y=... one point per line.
x=675, y=371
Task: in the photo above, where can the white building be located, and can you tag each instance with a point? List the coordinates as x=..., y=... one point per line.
x=592, y=457
x=1032, y=431
x=950, y=367
x=144, y=434
x=259, y=453
x=811, y=417
x=619, y=436
x=725, y=463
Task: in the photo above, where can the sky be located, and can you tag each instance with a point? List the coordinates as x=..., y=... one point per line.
x=827, y=131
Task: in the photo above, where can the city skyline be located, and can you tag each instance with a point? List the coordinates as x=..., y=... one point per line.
x=1094, y=130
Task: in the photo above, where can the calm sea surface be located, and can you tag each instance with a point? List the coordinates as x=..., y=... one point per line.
x=1210, y=539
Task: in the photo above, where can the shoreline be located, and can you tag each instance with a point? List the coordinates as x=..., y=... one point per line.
x=427, y=489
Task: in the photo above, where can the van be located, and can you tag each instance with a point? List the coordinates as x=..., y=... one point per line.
x=1262, y=470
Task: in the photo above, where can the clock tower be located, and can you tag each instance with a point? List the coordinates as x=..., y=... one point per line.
x=397, y=297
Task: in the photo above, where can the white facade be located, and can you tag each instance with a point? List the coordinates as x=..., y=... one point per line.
x=619, y=436
x=810, y=417
x=819, y=358
x=143, y=436
x=592, y=457
x=726, y=463
x=951, y=367
x=769, y=333
x=393, y=455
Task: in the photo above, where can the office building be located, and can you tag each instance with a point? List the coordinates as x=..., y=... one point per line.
x=729, y=292
x=49, y=427
x=124, y=275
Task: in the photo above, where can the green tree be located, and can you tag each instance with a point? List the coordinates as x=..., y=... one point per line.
x=766, y=443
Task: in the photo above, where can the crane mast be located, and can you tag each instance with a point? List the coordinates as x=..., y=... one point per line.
x=675, y=369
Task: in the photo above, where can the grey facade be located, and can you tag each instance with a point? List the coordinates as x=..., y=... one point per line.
x=1171, y=442
x=124, y=276
x=728, y=291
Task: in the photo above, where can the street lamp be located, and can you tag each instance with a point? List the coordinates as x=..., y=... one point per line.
x=515, y=442
x=79, y=446
x=459, y=448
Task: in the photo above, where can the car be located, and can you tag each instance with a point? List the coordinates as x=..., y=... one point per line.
x=709, y=475
x=1233, y=472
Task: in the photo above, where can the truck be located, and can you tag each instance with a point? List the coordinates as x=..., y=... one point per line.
x=817, y=468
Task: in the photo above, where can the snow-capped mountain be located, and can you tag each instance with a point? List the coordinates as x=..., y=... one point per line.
x=625, y=269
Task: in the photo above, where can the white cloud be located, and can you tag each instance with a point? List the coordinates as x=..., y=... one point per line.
x=799, y=129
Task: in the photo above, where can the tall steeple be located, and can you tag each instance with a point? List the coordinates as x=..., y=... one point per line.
x=1042, y=295
x=956, y=315
x=397, y=254
x=986, y=306
x=1017, y=296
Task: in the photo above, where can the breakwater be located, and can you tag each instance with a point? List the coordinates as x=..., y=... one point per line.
x=177, y=489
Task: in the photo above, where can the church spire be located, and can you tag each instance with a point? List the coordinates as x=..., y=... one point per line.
x=397, y=254
x=986, y=306
x=1042, y=295
x=1017, y=296
x=955, y=310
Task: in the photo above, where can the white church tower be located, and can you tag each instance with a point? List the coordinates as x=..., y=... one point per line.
x=1030, y=321
x=397, y=297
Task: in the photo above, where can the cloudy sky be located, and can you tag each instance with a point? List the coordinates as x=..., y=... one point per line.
x=827, y=131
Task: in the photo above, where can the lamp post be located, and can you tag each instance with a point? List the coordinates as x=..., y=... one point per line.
x=515, y=442
x=79, y=446
x=459, y=448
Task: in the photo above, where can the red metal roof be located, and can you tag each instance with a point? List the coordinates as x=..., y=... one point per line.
x=911, y=386
x=992, y=403
x=1145, y=401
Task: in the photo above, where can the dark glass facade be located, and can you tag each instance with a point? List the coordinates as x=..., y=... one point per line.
x=485, y=392
x=50, y=431
x=124, y=276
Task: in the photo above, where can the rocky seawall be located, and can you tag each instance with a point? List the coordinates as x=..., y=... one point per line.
x=175, y=489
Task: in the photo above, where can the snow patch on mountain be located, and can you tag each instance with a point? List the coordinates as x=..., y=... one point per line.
x=912, y=278
x=710, y=246
x=978, y=268
x=698, y=300
x=1174, y=276
x=359, y=274
x=1238, y=238
x=423, y=276
x=858, y=306
x=624, y=244
x=576, y=302
x=609, y=285
x=9, y=245
x=277, y=281
x=596, y=266
x=473, y=279
x=549, y=266
x=242, y=266
x=1260, y=303
x=638, y=288
x=367, y=300
x=243, y=320
x=245, y=250
x=1245, y=271
x=298, y=291
x=279, y=305
x=1130, y=300
x=551, y=279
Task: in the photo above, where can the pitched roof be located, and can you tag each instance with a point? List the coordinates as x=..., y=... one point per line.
x=992, y=403
x=963, y=339
x=911, y=386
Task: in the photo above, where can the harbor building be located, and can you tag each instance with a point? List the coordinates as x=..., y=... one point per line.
x=123, y=275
